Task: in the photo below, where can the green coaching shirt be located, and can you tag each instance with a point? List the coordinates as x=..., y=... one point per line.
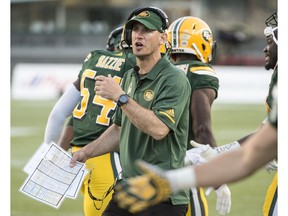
x=166, y=91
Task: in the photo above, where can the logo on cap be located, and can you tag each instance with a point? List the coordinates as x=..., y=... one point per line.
x=143, y=14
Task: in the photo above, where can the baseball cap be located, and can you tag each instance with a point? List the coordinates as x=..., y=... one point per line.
x=149, y=19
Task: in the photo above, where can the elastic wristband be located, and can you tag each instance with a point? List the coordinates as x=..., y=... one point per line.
x=228, y=147
x=180, y=179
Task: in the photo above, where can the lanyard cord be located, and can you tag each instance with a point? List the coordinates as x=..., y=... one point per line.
x=104, y=194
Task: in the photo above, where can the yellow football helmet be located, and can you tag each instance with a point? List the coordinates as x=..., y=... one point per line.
x=163, y=49
x=193, y=36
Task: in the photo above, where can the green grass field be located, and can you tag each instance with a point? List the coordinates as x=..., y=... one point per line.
x=230, y=122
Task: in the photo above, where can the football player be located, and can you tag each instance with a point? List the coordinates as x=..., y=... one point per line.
x=90, y=117
x=192, y=50
x=114, y=39
x=271, y=62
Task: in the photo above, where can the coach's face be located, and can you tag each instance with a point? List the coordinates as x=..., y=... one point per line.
x=145, y=41
x=271, y=52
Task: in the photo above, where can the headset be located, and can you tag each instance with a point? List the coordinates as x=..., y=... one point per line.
x=112, y=39
x=158, y=11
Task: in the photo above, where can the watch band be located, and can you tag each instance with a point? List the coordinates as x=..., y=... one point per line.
x=123, y=99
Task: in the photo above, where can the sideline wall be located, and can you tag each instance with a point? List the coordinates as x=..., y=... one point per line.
x=238, y=84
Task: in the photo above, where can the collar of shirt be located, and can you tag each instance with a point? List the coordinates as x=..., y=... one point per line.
x=160, y=65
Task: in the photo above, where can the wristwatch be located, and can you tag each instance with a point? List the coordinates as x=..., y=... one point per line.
x=123, y=99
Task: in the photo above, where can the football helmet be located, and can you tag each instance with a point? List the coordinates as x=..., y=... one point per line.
x=165, y=48
x=272, y=25
x=192, y=35
x=272, y=20
x=114, y=39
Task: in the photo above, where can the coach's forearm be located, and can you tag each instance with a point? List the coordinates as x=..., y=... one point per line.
x=145, y=120
x=107, y=142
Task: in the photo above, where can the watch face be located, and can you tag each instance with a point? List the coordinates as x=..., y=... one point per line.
x=123, y=99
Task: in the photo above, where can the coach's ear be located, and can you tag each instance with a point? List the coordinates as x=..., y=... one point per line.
x=163, y=38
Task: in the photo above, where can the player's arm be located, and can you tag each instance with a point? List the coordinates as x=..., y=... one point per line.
x=232, y=166
x=243, y=139
x=200, y=109
x=207, y=153
x=61, y=110
x=107, y=142
x=156, y=185
x=67, y=135
x=201, y=102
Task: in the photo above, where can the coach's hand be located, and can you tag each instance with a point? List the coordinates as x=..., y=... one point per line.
x=80, y=156
x=137, y=194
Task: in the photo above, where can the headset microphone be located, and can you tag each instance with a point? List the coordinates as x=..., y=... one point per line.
x=136, y=68
x=126, y=51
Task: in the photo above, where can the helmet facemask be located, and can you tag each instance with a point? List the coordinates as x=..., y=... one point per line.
x=272, y=25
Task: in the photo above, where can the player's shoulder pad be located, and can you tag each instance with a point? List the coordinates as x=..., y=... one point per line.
x=202, y=69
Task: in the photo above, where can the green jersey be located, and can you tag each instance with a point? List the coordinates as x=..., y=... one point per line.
x=272, y=99
x=166, y=91
x=92, y=116
x=273, y=115
x=273, y=82
x=200, y=75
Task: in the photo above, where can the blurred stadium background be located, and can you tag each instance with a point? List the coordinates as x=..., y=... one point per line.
x=66, y=30
x=50, y=39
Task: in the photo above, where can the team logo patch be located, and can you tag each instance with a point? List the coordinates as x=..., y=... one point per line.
x=143, y=14
x=206, y=35
x=148, y=95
